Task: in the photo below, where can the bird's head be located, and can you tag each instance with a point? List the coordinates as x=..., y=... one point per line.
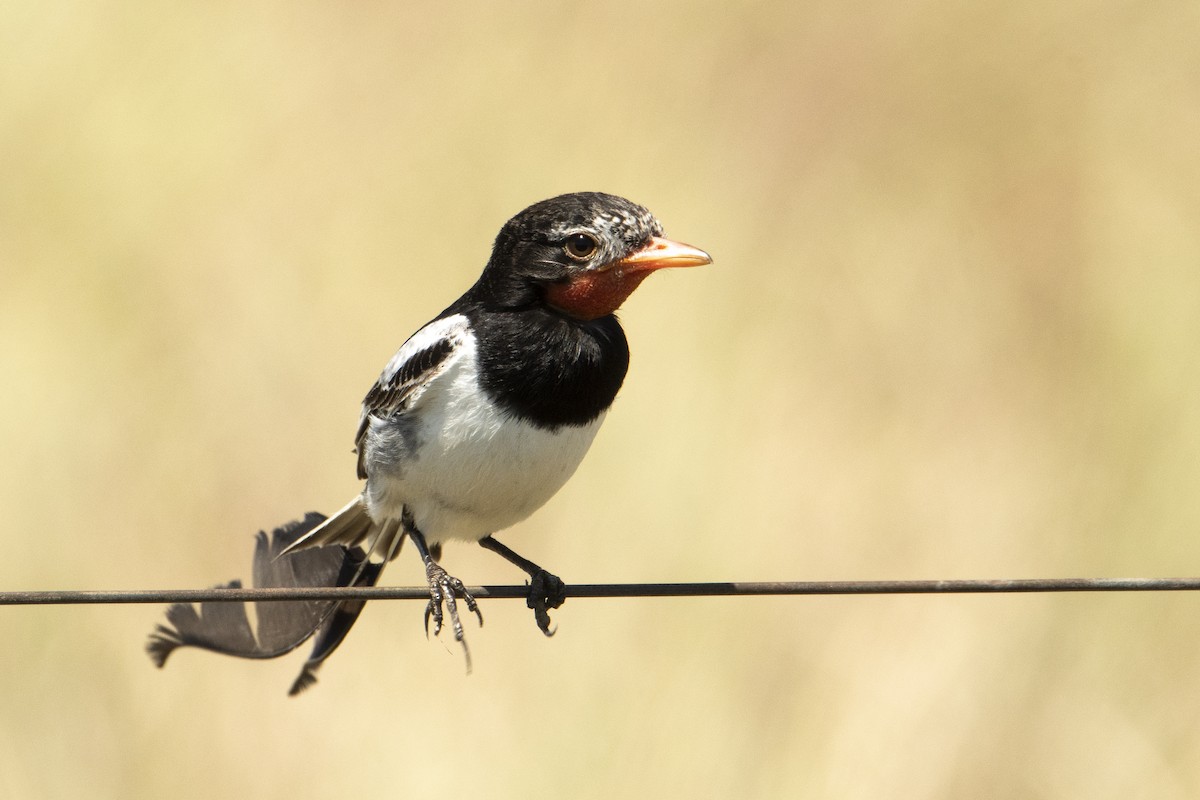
x=582, y=254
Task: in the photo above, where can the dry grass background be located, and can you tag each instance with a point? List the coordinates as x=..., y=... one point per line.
x=953, y=330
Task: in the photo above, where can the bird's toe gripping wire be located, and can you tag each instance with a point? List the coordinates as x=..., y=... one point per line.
x=444, y=592
x=546, y=591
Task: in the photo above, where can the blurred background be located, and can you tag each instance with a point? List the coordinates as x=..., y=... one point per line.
x=952, y=331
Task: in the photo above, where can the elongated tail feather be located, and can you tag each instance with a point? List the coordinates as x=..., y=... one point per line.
x=335, y=629
x=282, y=626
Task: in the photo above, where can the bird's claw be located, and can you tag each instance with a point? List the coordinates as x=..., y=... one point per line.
x=546, y=591
x=444, y=588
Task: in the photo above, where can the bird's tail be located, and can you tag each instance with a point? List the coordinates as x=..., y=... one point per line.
x=353, y=526
x=279, y=627
x=348, y=527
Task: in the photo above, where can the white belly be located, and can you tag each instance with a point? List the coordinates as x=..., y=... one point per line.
x=468, y=470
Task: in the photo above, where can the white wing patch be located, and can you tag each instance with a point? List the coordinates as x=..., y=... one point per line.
x=426, y=355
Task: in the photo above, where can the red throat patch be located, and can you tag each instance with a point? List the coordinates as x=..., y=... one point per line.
x=591, y=295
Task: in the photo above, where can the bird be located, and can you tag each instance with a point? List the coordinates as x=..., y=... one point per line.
x=486, y=411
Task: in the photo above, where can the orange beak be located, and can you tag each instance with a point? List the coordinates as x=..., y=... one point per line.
x=662, y=253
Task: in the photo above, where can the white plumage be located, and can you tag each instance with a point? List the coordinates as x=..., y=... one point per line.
x=462, y=467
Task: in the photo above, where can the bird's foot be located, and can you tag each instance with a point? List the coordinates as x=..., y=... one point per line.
x=443, y=589
x=546, y=591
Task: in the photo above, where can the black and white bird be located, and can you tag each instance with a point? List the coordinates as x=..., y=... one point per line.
x=487, y=410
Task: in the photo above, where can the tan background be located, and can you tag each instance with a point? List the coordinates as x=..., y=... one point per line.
x=953, y=330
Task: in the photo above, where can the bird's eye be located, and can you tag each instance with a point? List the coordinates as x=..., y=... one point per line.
x=580, y=246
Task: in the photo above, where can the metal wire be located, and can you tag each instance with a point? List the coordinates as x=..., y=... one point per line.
x=29, y=598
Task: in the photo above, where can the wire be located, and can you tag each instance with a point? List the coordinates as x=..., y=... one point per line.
x=228, y=595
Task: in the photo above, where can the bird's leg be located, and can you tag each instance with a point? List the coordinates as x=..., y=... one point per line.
x=546, y=591
x=443, y=588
